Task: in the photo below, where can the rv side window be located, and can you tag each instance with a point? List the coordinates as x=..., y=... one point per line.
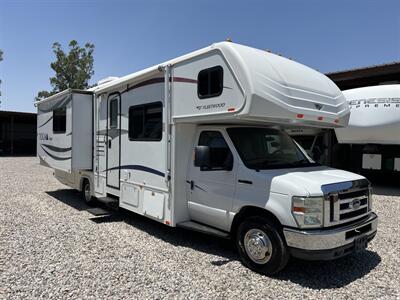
x=220, y=154
x=210, y=82
x=60, y=120
x=114, y=113
x=145, y=122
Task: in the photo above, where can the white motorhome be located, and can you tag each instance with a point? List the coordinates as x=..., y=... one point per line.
x=196, y=142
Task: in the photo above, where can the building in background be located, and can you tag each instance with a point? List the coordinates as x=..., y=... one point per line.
x=17, y=133
x=368, y=76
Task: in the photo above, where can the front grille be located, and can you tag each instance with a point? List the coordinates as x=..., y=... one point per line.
x=345, y=202
x=353, y=214
x=346, y=195
x=347, y=205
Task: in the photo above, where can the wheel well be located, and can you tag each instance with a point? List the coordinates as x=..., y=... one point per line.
x=252, y=211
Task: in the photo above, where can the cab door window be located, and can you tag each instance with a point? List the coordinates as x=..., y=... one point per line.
x=220, y=154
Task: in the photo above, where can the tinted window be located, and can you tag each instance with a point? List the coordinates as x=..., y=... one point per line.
x=60, y=120
x=210, y=82
x=114, y=113
x=145, y=122
x=220, y=155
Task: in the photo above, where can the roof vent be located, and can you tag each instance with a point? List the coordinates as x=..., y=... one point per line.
x=106, y=80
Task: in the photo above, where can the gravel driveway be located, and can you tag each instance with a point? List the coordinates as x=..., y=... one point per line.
x=51, y=247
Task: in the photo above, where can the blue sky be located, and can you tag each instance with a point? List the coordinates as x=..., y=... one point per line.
x=132, y=35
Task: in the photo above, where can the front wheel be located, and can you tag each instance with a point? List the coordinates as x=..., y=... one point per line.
x=261, y=246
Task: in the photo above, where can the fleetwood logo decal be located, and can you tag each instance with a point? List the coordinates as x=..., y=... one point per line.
x=210, y=106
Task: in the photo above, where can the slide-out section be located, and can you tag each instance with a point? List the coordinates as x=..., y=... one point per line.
x=65, y=131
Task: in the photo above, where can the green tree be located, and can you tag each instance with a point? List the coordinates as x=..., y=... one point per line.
x=73, y=69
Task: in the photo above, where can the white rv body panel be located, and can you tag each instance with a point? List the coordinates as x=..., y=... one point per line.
x=375, y=116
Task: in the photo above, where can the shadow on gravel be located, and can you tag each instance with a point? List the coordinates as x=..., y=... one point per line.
x=311, y=274
x=69, y=197
x=330, y=274
x=184, y=238
x=175, y=236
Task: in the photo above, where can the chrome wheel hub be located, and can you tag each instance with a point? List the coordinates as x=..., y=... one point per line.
x=258, y=246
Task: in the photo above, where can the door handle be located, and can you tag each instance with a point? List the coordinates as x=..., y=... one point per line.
x=191, y=184
x=109, y=143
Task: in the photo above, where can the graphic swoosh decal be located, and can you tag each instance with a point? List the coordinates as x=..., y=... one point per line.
x=46, y=122
x=138, y=168
x=57, y=149
x=53, y=156
x=159, y=80
x=200, y=188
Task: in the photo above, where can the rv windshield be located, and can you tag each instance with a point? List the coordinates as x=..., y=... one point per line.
x=267, y=148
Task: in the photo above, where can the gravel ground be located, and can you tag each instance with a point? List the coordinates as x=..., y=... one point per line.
x=51, y=247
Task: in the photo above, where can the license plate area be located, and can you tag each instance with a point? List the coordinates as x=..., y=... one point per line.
x=360, y=243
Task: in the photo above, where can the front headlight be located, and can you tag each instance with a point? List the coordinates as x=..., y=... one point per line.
x=308, y=211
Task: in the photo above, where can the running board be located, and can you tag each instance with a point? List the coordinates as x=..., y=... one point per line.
x=112, y=203
x=98, y=211
x=190, y=225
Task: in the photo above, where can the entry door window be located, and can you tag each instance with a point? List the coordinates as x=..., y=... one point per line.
x=114, y=113
x=220, y=154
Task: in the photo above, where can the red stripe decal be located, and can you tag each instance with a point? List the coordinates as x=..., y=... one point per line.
x=159, y=80
x=182, y=79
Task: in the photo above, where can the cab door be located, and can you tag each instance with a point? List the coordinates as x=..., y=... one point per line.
x=211, y=190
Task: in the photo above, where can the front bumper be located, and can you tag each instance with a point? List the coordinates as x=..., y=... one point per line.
x=325, y=244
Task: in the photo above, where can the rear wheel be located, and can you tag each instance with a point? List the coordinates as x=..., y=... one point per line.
x=87, y=193
x=261, y=246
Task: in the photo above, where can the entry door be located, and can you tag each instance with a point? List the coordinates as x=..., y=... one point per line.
x=211, y=191
x=113, y=140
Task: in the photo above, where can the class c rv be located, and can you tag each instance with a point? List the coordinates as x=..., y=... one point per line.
x=198, y=142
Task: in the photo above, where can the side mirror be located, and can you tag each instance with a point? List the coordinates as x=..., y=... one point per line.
x=202, y=156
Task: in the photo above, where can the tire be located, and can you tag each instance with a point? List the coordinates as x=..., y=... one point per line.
x=86, y=193
x=257, y=235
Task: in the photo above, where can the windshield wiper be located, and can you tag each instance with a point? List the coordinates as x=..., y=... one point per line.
x=304, y=161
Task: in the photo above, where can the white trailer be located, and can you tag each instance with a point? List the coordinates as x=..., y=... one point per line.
x=196, y=142
x=374, y=129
